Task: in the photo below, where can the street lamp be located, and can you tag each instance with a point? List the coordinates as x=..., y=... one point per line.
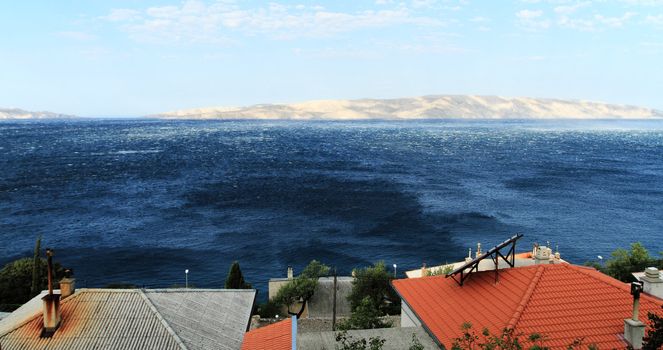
x=395, y=270
x=186, y=278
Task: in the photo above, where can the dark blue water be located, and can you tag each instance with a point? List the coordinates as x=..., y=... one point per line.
x=140, y=201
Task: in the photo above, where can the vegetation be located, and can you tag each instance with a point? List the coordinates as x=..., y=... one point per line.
x=302, y=287
x=34, y=287
x=235, y=280
x=365, y=316
x=416, y=344
x=623, y=262
x=268, y=309
x=345, y=342
x=507, y=340
x=654, y=338
x=374, y=282
x=16, y=281
x=440, y=271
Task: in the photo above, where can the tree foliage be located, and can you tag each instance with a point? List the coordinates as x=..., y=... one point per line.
x=623, y=263
x=375, y=282
x=235, y=279
x=16, y=281
x=654, y=338
x=365, y=316
x=34, y=287
x=416, y=344
x=507, y=340
x=302, y=287
x=440, y=271
x=345, y=342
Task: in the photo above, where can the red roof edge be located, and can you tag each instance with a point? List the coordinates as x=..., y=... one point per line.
x=423, y=324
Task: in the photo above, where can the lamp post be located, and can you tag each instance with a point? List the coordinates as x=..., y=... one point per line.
x=186, y=278
x=395, y=270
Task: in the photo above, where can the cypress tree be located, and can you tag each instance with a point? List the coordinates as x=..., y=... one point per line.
x=235, y=280
x=36, y=264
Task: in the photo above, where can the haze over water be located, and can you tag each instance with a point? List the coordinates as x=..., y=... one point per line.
x=140, y=201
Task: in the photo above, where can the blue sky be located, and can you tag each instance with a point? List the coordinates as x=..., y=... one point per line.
x=117, y=58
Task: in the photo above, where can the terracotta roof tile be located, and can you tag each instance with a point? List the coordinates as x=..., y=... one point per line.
x=560, y=301
x=277, y=336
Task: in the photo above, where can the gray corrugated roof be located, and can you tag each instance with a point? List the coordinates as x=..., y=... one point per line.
x=396, y=338
x=205, y=319
x=136, y=319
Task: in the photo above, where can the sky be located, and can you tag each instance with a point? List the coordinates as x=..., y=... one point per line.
x=131, y=58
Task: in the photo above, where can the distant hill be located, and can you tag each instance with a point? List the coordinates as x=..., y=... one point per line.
x=15, y=113
x=425, y=107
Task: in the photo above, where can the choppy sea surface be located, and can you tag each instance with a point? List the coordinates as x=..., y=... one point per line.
x=139, y=201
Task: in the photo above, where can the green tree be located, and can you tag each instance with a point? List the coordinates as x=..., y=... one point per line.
x=507, y=340
x=16, y=281
x=654, y=338
x=365, y=316
x=624, y=262
x=345, y=342
x=34, y=288
x=375, y=282
x=235, y=280
x=302, y=287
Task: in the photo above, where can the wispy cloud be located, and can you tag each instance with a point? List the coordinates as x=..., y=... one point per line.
x=197, y=22
x=654, y=19
x=532, y=19
x=74, y=35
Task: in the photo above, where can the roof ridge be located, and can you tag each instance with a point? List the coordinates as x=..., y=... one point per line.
x=526, y=297
x=162, y=320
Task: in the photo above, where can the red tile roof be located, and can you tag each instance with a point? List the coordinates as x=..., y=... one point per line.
x=560, y=301
x=277, y=336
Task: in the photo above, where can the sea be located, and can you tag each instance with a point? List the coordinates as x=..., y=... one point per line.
x=141, y=201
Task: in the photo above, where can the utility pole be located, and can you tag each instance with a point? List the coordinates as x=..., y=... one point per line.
x=334, y=304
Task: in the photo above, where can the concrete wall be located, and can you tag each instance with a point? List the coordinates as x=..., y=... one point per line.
x=321, y=304
x=408, y=319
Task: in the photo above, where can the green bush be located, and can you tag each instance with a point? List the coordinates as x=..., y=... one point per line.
x=16, y=281
x=375, y=282
x=365, y=316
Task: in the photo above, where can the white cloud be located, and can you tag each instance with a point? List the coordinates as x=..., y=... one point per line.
x=119, y=15
x=571, y=8
x=74, y=35
x=597, y=22
x=197, y=22
x=655, y=20
x=615, y=22
x=529, y=14
x=532, y=20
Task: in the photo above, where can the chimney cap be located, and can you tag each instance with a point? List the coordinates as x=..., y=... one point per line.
x=652, y=272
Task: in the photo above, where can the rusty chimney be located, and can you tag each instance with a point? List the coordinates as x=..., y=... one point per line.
x=634, y=329
x=51, y=302
x=67, y=284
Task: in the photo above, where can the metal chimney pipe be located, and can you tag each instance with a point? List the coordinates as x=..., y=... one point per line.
x=49, y=259
x=636, y=289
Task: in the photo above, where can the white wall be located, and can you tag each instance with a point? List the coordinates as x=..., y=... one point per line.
x=408, y=319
